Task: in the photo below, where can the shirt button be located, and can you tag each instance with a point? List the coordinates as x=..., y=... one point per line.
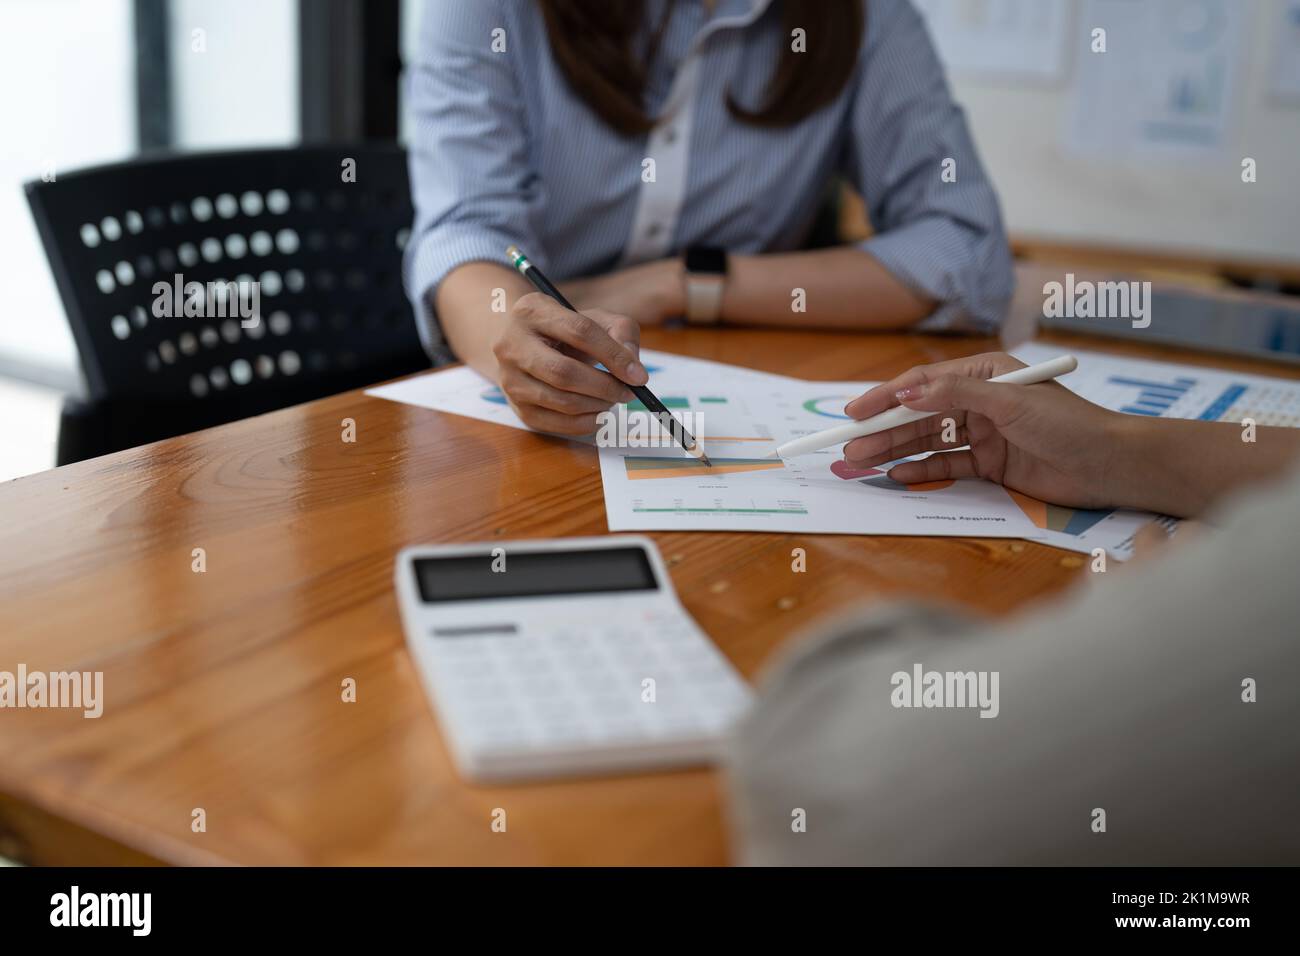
x=670, y=135
x=654, y=229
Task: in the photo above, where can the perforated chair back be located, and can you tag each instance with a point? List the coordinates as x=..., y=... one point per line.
x=320, y=257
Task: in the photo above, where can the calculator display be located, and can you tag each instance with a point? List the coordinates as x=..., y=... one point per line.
x=474, y=577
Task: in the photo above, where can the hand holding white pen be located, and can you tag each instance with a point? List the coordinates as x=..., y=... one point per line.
x=901, y=415
x=1044, y=441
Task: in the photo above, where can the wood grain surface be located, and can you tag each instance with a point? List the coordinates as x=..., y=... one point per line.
x=222, y=689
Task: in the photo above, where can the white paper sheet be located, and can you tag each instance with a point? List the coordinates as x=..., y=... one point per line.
x=1160, y=390
x=660, y=489
x=746, y=413
x=1172, y=390
x=462, y=391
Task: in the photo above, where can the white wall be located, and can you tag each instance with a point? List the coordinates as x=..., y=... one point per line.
x=1191, y=207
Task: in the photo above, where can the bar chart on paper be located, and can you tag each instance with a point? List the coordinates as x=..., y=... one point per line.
x=1162, y=390
x=748, y=488
x=663, y=485
x=1155, y=390
x=641, y=467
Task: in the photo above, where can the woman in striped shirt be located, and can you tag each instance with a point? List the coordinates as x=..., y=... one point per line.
x=664, y=158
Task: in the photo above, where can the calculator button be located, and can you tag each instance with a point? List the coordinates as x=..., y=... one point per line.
x=478, y=688
x=470, y=668
x=676, y=636
x=702, y=686
x=613, y=730
x=581, y=656
x=641, y=664
x=454, y=648
x=613, y=684
x=713, y=722
x=594, y=678
x=620, y=713
x=672, y=721
x=543, y=688
x=502, y=737
x=632, y=641
x=689, y=656
x=564, y=733
x=490, y=714
x=553, y=708
x=529, y=667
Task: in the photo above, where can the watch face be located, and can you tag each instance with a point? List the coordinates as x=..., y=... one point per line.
x=706, y=259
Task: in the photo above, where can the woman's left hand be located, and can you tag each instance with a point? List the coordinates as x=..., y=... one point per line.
x=649, y=293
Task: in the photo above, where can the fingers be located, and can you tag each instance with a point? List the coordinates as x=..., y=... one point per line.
x=580, y=332
x=941, y=467
x=524, y=357
x=620, y=328
x=882, y=397
x=566, y=374
x=526, y=390
x=556, y=423
x=925, y=435
x=556, y=392
x=1148, y=542
x=1001, y=404
x=932, y=442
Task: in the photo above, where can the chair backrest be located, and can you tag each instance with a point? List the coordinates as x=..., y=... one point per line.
x=318, y=254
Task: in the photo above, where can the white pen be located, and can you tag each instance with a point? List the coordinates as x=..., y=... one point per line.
x=901, y=415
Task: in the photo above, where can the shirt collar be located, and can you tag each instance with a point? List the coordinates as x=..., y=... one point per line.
x=737, y=13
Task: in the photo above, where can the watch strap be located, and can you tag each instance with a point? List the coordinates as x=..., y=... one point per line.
x=704, y=298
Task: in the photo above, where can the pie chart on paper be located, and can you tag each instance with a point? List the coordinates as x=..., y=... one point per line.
x=877, y=478
x=829, y=406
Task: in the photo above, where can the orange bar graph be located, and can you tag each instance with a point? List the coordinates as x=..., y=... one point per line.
x=639, y=467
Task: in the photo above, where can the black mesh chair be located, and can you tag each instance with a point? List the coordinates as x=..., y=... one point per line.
x=325, y=256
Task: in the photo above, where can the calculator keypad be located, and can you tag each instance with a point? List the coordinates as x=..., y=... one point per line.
x=582, y=685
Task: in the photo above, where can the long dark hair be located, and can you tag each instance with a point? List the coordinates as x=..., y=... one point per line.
x=595, y=44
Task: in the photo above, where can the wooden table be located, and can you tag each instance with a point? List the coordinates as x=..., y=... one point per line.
x=222, y=688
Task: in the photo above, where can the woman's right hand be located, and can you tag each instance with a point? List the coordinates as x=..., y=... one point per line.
x=1042, y=440
x=545, y=362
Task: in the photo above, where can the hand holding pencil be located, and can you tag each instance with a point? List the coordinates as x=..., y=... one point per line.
x=545, y=364
x=577, y=330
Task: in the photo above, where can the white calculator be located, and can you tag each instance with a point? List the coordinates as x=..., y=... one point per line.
x=561, y=657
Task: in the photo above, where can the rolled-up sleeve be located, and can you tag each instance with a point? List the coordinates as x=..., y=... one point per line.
x=943, y=239
x=471, y=181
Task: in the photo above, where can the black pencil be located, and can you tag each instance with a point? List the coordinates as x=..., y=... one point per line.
x=647, y=398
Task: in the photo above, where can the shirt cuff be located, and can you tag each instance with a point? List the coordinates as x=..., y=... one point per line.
x=430, y=259
x=920, y=255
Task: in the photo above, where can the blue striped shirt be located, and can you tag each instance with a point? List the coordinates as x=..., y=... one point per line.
x=503, y=150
